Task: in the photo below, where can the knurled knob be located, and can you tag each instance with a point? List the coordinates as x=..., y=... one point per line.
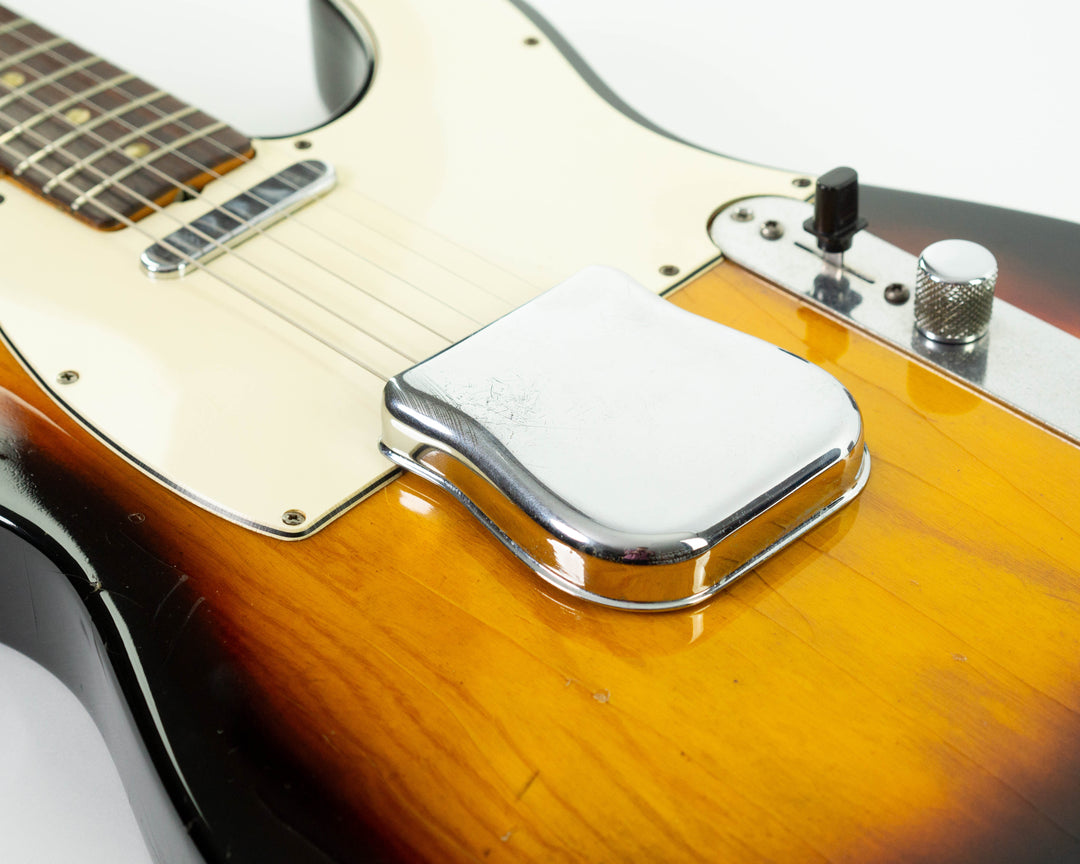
x=954, y=291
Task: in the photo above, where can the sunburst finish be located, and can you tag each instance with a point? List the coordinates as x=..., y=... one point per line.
x=900, y=684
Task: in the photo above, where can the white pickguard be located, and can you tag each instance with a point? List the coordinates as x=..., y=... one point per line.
x=477, y=172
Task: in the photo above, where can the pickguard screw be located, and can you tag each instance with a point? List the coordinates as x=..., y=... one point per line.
x=302, y=144
x=743, y=214
x=669, y=270
x=897, y=293
x=293, y=517
x=68, y=376
x=801, y=182
x=772, y=230
x=532, y=40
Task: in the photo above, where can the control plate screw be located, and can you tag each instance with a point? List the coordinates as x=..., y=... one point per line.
x=772, y=230
x=897, y=293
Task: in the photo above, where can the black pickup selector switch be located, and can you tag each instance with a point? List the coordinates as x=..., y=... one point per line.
x=836, y=211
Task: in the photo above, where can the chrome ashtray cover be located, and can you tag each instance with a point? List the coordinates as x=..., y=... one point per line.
x=628, y=451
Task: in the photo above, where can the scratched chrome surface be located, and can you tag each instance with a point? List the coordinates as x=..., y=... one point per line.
x=632, y=431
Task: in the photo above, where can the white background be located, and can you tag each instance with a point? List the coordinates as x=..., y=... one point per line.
x=968, y=100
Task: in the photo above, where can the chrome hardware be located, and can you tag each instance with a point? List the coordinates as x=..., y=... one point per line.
x=68, y=376
x=772, y=230
x=954, y=291
x=897, y=293
x=238, y=218
x=1023, y=361
x=629, y=452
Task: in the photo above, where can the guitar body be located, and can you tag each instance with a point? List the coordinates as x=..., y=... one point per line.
x=902, y=683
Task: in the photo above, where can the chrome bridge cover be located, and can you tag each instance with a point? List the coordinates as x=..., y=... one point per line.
x=629, y=452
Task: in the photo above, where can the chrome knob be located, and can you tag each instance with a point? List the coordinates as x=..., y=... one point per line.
x=954, y=291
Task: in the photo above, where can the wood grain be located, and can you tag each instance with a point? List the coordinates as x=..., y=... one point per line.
x=899, y=685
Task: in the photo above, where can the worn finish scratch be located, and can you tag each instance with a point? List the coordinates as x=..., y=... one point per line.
x=183, y=578
x=179, y=633
x=528, y=784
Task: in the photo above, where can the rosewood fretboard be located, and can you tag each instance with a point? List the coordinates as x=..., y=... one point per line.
x=98, y=142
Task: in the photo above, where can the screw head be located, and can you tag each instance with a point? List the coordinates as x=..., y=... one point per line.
x=897, y=293
x=531, y=40
x=771, y=229
x=669, y=270
x=801, y=182
x=68, y=376
x=293, y=517
x=302, y=144
x=743, y=214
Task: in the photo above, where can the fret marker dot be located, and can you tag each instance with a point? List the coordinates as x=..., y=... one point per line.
x=137, y=149
x=78, y=115
x=13, y=79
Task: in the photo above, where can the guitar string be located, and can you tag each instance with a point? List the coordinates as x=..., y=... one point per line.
x=222, y=247
x=199, y=265
x=261, y=230
x=245, y=159
x=253, y=298
x=183, y=124
x=110, y=147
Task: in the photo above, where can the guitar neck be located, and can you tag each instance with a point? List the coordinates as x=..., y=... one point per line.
x=100, y=142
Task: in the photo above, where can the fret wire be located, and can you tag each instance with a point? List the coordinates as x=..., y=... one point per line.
x=140, y=163
x=38, y=48
x=82, y=96
x=110, y=147
x=31, y=86
x=81, y=130
x=13, y=24
x=245, y=158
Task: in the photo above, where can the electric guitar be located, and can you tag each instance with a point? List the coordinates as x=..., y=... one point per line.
x=377, y=678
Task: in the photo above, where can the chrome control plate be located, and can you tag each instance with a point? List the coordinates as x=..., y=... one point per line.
x=1022, y=361
x=630, y=452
